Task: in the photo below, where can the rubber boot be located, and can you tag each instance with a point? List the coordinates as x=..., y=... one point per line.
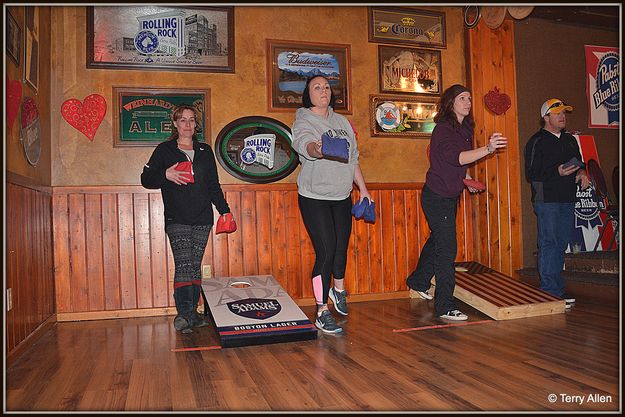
x=183, y=296
x=197, y=320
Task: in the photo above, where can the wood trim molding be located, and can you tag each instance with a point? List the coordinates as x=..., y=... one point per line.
x=22, y=181
x=170, y=311
x=138, y=189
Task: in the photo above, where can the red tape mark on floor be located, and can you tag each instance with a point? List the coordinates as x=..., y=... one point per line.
x=439, y=326
x=195, y=348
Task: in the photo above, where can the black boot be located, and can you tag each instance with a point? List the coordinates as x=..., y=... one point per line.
x=197, y=320
x=183, y=296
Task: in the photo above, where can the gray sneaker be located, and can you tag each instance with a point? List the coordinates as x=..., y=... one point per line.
x=340, y=300
x=325, y=322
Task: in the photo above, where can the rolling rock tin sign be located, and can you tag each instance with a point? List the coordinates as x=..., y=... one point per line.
x=253, y=310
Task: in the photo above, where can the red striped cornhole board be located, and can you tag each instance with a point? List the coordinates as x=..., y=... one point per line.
x=499, y=296
x=502, y=297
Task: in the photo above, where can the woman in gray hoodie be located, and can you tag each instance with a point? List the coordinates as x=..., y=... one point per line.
x=324, y=195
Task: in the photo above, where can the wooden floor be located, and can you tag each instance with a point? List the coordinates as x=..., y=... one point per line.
x=513, y=365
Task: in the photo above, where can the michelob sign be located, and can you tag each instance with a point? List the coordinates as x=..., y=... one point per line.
x=143, y=117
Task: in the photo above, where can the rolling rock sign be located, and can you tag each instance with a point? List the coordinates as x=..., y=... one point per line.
x=259, y=148
x=253, y=310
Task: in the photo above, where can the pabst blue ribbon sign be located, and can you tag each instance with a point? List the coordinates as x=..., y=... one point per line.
x=602, y=86
x=588, y=219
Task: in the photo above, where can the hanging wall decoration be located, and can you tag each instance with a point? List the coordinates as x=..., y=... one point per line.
x=602, y=86
x=30, y=134
x=14, y=98
x=86, y=116
x=497, y=102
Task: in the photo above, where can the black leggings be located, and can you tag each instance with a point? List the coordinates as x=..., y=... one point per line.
x=329, y=224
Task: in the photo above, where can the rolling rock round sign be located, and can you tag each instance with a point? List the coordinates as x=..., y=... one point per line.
x=253, y=310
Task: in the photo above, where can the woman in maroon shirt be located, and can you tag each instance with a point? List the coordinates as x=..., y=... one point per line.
x=451, y=151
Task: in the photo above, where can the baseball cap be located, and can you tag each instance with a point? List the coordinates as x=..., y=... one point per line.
x=554, y=105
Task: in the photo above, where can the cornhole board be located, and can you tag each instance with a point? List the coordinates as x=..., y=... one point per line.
x=254, y=310
x=499, y=296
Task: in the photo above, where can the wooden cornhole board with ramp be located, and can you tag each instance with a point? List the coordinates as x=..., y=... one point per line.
x=253, y=310
x=501, y=297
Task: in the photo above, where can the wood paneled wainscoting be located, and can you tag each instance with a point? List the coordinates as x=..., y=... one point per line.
x=28, y=251
x=112, y=257
x=498, y=232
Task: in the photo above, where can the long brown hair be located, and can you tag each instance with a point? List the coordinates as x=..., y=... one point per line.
x=176, y=114
x=445, y=108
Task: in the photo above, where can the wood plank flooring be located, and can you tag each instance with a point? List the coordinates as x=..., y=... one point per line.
x=512, y=365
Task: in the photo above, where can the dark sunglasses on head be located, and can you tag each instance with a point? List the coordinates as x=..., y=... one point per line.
x=556, y=105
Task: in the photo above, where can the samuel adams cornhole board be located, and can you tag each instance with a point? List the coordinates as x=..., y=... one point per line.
x=588, y=220
x=253, y=310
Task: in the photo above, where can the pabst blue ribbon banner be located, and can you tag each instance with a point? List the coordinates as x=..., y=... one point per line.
x=588, y=220
x=602, y=86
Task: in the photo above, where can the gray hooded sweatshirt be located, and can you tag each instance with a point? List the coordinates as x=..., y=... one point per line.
x=323, y=179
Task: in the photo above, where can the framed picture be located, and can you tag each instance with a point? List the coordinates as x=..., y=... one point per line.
x=31, y=50
x=402, y=117
x=161, y=38
x=290, y=63
x=14, y=39
x=407, y=26
x=409, y=70
x=256, y=149
x=142, y=116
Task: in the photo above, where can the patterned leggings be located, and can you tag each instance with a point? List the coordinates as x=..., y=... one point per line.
x=188, y=244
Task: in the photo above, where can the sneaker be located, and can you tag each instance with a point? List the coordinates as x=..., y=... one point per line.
x=424, y=294
x=456, y=315
x=339, y=298
x=182, y=325
x=325, y=322
x=568, y=299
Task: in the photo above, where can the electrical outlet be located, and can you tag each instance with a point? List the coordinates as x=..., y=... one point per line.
x=207, y=271
x=9, y=299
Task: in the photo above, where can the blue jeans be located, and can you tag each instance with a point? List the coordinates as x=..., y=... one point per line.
x=555, y=225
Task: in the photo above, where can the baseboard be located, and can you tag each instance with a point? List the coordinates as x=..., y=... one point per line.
x=169, y=311
x=116, y=314
x=358, y=298
x=18, y=350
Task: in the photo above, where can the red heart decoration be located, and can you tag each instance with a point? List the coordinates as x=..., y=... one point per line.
x=14, y=98
x=86, y=116
x=497, y=102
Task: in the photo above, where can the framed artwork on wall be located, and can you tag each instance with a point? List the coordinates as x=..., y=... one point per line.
x=399, y=25
x=409, y=70
x=290, y=64
x=13, y=33
x=256, y=149
x=148, y=37
x=401, y=116
x=31, y=50
x=142, y=116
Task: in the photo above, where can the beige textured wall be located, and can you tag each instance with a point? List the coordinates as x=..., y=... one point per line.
x=77, y=161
